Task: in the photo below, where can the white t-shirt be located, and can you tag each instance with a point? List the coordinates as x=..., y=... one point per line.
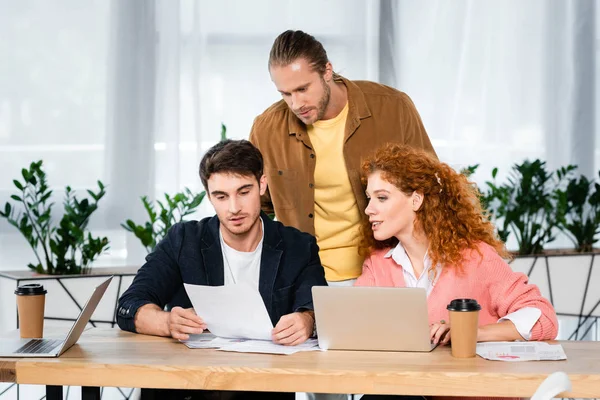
x=241, y=266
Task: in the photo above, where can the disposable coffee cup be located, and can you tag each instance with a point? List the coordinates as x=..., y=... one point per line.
x=31, y=299
x=464, y=322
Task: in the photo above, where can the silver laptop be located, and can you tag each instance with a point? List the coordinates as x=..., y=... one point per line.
x=51, y=347
x=372, y=318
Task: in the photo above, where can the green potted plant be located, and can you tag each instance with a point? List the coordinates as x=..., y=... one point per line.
x=169, y=212
x=526, y=204
x=63, y=248
x=578, y=212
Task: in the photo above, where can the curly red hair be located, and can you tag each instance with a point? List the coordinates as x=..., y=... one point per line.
x=451, y=217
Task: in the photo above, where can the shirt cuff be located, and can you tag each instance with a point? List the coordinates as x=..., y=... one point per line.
x=524, y=320
x=126, y=314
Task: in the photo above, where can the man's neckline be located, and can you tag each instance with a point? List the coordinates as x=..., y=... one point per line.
x=260, y=240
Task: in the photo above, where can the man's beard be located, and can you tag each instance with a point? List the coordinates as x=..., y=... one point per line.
x=243, y=230
x=324, y=102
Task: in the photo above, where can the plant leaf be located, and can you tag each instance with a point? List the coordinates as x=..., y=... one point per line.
x=18, y=184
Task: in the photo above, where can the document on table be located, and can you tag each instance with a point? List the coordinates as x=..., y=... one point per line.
x=520, y=351
x=263, y=346
x=231, y=311
x=206, y=341
x=209, y=341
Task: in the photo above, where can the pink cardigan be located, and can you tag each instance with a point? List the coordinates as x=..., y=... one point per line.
x=486, y=278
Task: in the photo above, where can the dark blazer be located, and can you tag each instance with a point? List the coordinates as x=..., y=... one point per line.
x=191, y=253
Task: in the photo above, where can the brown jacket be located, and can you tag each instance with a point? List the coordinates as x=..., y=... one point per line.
x=377, y=115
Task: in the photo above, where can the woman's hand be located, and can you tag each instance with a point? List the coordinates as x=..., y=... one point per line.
x=440, y=332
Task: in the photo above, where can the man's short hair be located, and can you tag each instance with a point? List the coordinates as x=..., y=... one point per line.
x=238, y=157
x=292, y=45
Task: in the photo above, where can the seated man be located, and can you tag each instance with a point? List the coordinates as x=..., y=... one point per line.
x=239, y=244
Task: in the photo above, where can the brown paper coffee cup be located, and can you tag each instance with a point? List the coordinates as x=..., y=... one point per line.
x=31, y=300
x=464, y=322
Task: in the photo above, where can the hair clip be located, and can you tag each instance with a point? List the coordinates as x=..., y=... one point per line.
x=439, y=182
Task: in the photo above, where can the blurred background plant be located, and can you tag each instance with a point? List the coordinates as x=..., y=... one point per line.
x=170, y=211
x=63, y=249
x=578, y=212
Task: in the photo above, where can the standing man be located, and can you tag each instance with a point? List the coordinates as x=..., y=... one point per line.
x=313, y=141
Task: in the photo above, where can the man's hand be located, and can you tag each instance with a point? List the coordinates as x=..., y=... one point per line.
x=183, y=322
x=293, y=329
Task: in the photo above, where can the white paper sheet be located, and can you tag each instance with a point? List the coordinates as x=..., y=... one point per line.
x=231, y=311
x=520, y=351
x=209, y=341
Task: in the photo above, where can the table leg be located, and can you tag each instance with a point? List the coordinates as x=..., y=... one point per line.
x=90, y=393
x=54, y=392
x=148, y=394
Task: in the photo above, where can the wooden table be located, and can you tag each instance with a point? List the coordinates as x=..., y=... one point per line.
x=110, y=357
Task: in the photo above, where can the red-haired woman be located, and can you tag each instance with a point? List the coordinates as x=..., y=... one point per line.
x=426, y=228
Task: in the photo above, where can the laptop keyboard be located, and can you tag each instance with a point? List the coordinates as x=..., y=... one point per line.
x=38, y=346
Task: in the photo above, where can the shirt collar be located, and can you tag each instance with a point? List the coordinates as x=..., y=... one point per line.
x=398, y=254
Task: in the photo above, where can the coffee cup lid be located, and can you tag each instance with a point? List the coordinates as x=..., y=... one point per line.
x=463, y=305
x=30, y=289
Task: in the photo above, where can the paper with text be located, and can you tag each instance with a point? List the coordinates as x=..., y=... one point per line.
x=263, y=346
x=520, y=351
x=231, y=311
x=209, y=341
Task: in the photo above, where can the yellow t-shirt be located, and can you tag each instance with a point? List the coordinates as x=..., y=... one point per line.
x=337, y=217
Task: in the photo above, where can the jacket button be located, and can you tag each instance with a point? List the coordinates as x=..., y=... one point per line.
x=310, y=215
x=280, y=172
x=312, y=155
x=310, y=185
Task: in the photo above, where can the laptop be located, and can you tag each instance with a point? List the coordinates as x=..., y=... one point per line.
x=52, y=347
x=372, y=318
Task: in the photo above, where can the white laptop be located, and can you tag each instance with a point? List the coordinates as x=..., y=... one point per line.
x=52, y=347
x=372, y=318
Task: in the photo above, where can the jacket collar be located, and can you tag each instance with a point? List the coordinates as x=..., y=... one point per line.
x=357, y=107
x=269, y=261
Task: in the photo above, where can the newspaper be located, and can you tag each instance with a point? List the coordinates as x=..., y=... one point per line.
x=210, y=341
x=520, y=351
